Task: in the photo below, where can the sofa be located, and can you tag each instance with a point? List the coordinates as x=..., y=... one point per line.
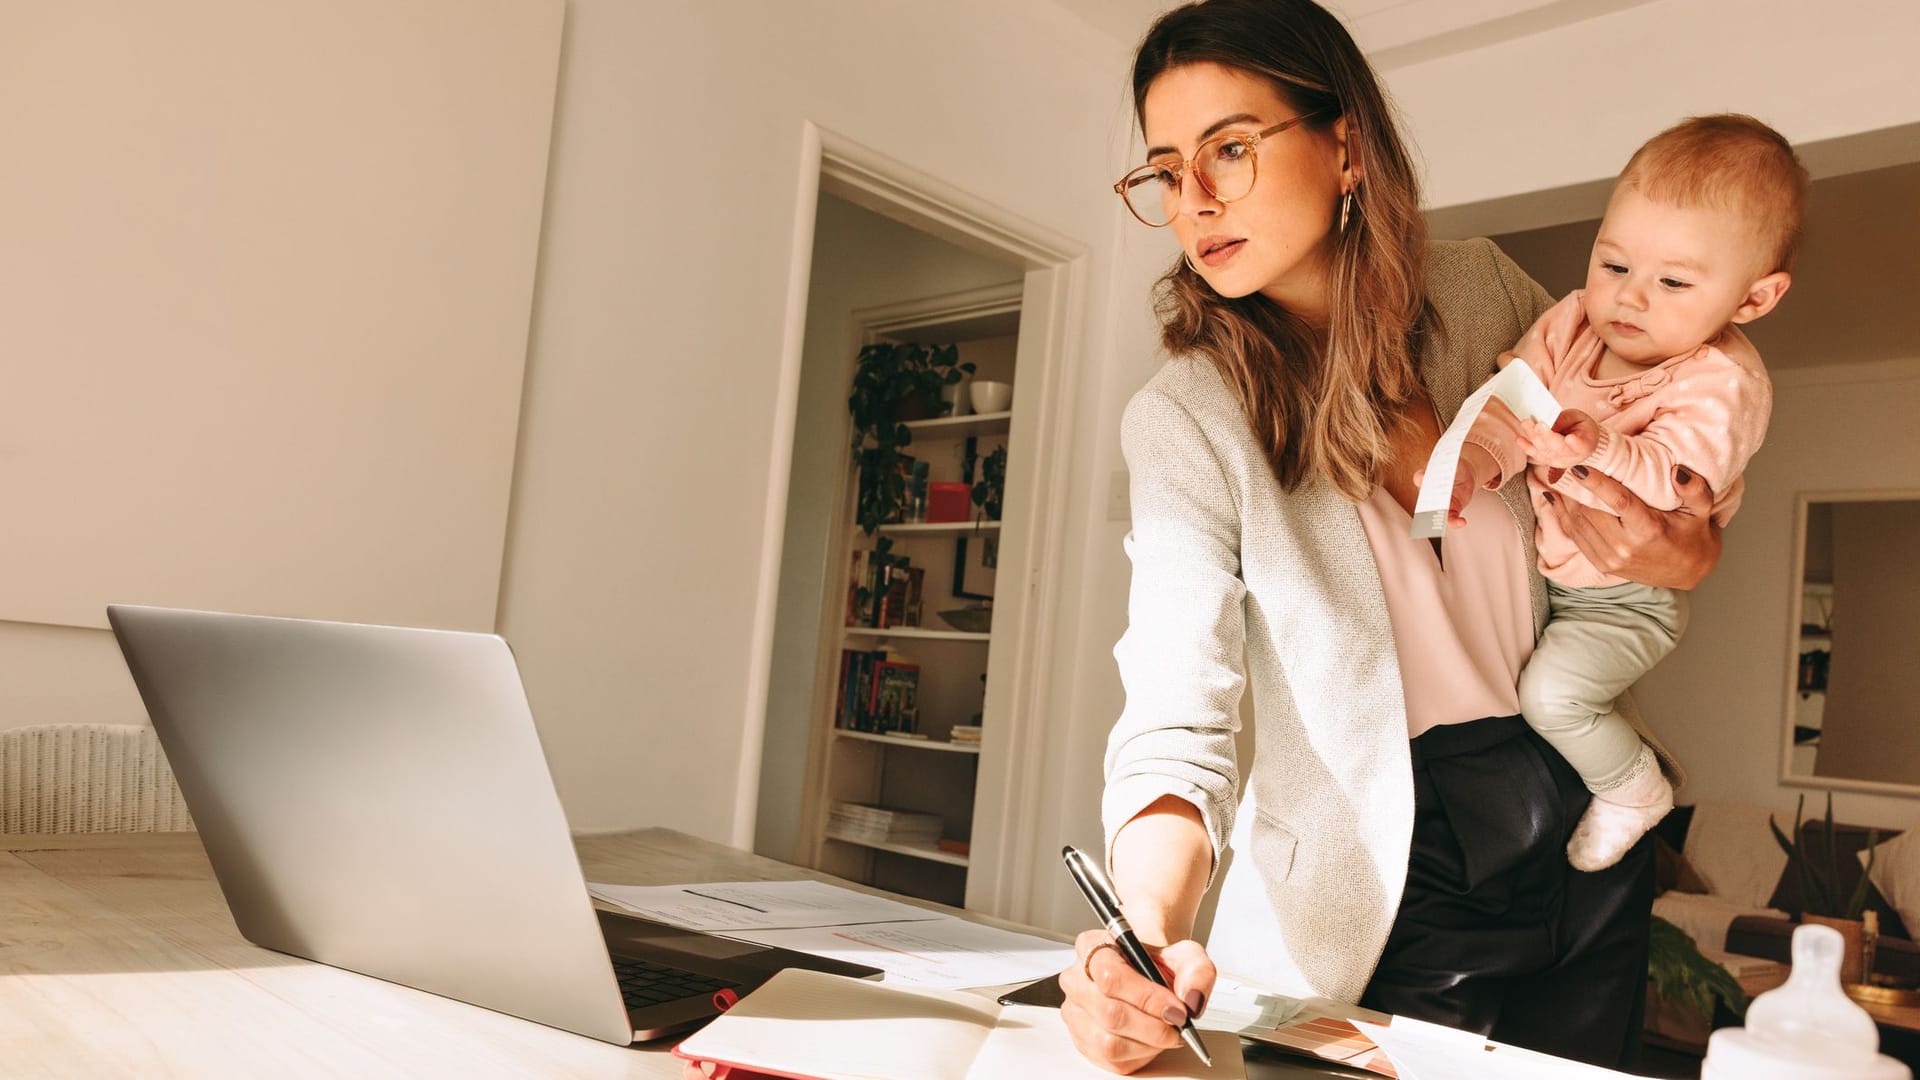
x=1723, y=878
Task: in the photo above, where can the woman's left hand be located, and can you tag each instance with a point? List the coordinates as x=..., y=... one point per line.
x=1671, y=548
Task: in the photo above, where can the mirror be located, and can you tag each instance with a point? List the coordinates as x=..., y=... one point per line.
x=1853, y=688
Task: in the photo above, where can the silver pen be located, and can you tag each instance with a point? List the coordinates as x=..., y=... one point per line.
x=1106, y=907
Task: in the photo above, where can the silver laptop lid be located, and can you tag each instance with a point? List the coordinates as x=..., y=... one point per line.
x=375, y=798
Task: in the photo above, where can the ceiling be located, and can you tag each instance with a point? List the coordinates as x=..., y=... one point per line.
x=1392, y=32
x=1853, y=290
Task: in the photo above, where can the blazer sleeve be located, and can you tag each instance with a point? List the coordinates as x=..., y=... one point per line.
x=1181, y=656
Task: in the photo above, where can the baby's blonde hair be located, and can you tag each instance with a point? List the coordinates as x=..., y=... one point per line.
x=1729, y=161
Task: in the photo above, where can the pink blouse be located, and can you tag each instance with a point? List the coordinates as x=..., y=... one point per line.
x=1463, y=622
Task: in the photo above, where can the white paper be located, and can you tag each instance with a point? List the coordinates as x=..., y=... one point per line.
x=722, y=906
x=1422, y=1051
x=1246, y=1010
x=942, y=953
x=1523, y=392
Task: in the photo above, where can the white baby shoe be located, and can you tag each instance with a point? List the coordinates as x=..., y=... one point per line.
x=1617, y=818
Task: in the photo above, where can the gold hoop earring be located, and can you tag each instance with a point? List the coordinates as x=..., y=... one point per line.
x=1190, y=266
x=1346, y=208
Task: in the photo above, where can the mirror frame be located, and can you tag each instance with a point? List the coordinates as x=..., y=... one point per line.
x=1796, y=593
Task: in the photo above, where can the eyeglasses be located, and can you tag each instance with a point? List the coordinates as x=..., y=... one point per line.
x=1225, y=165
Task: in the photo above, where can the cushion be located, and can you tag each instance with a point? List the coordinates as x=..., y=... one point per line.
x=1735, y=853
x=1705, y=918
x=1896, y=873
x=1672, y=872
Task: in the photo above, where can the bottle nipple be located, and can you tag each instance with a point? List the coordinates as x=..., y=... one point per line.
x=1810, y=1016
x=1807, y=1028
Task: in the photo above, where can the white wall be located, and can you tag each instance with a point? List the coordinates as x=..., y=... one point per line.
x=262, y=325
x=860, y=260
x=1720, y=700
x=641, y=506
x=642, y=497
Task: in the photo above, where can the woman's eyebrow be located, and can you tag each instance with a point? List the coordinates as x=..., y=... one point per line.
x=1212, y=130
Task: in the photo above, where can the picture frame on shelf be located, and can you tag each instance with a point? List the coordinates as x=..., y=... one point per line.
x=975, y=558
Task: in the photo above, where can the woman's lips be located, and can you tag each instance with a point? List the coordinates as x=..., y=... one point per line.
x=1217, y=252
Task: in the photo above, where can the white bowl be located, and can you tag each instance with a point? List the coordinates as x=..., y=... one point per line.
x=989, y=396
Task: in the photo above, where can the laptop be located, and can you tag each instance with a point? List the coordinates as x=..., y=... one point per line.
x=375, y=798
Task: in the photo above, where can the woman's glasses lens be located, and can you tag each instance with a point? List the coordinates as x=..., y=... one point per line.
x=1225, y=166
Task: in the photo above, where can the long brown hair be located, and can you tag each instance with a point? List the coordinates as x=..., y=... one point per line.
x=1319, y=400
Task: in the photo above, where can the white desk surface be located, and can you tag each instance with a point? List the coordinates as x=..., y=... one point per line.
x=118, y=958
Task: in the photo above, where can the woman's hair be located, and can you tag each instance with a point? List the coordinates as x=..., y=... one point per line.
x=1318, y=399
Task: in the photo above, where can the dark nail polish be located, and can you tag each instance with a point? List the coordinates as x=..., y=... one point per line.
x=1196, y=1003
x=1174, y=1016
x=1547, y=495
x=1681, y=474
x=1580, y=471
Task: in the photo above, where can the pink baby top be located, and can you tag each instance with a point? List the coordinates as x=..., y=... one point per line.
x=1706, y=410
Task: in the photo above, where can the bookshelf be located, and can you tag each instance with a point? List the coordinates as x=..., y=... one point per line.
x=952, y=563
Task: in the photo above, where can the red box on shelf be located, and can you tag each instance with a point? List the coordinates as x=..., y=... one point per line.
x=948, y=500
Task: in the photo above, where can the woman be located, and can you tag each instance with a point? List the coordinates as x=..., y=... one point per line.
x=1402, y=836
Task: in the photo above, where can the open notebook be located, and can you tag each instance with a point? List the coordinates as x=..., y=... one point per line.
x=808, y=1024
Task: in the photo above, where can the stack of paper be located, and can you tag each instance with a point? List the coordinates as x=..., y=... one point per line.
x=878, y=825
x=966, y=733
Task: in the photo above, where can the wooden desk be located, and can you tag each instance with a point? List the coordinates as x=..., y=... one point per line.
x=118, y=958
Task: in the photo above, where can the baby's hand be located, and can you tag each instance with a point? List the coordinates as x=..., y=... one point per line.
x=1570, y=442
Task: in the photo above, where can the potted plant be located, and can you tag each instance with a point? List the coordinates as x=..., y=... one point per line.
x=991, y=489
x=894, y=383
x=1821, y=890
x=1685, y=981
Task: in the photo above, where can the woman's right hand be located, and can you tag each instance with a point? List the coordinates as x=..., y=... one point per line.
x=1120, y=1019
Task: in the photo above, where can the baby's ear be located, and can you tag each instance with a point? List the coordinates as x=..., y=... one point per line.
x=1762, y=296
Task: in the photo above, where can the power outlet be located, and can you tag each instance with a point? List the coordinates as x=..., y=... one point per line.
x=1119, y=507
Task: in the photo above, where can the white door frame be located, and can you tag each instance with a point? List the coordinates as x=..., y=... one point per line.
x=1027, y=619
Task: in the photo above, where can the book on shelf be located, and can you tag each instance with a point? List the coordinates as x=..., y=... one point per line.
x=900, y=605
x=964, y=733
x=880, y=825
x=896, y=688
x=878, y=692
x=883, y=597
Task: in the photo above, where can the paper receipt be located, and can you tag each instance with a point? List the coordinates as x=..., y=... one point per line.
x=1523, y=392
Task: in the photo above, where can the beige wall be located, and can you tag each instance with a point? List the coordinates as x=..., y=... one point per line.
x=264, y=298
x=1720, y=700
x=649, y=485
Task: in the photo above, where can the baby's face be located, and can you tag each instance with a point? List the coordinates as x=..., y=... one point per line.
x=1663, y=279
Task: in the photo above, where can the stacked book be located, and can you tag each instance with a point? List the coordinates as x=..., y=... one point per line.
x=966, y=733
x=878, y=825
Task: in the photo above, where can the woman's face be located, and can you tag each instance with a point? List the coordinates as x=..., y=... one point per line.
x=1278, y=239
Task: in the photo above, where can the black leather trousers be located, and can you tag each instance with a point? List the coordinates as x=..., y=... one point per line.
x=1496, y=933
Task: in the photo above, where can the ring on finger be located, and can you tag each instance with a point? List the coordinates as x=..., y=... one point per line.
x=1086, y=964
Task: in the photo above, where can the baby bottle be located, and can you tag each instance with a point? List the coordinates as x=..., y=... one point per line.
x=1807, y=1029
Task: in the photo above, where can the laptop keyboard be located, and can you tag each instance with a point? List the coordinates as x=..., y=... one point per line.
x=642, y=983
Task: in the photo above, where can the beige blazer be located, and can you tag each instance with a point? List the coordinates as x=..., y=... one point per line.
x=1314, y=844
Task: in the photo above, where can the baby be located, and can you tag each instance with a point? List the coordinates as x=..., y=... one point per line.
x=1653, y=374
